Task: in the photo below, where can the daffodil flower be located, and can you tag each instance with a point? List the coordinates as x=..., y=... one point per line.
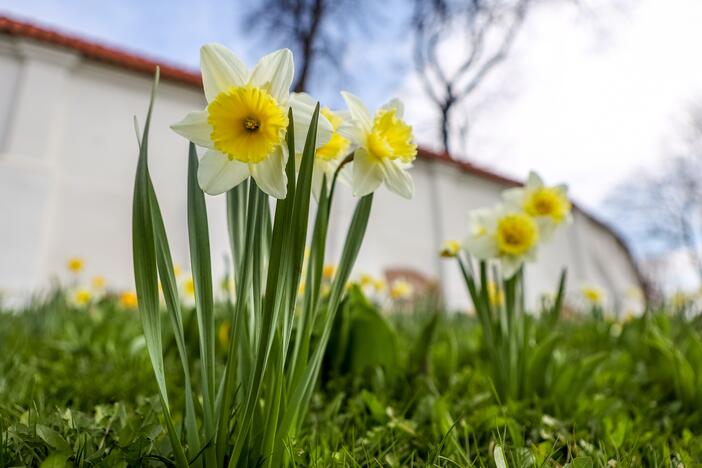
x=549, y=205
x=332, y=153
x=244, y=124
x=385, y=147
x=593, y=295
x=501, y=233
x=401, y=289
x=450, y=248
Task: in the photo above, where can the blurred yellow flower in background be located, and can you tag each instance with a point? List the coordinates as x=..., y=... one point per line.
x=495, y=295
x=98, y=282
x=450, y=248
x=329, y=271
x=75, y=264
x=593, y=295
x=81, y=297
x=223, y=333
x=401, y=289
x=189, y=287
x=379, y=285
x=128, y=300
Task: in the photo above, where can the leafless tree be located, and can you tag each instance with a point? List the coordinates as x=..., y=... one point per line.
x=491, y=27
x=316, y=30
x=660, y=212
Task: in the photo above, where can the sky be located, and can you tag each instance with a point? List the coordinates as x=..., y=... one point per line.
x=587, y=97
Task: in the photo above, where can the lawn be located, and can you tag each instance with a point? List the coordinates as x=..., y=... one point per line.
x=407, y=388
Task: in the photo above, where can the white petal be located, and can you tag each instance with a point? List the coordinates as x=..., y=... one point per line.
x=397, y=105
x=270, y=175
x=534, y=180
x=217, y=174
x=352, y=132
x=274, y=72
x=367, y=173
x=321, y=169
x=397, y=179
x=510, y=266
x=359, y=112
x=346, y=174
x=195, y=128
x=305, y=98
x=547, y=227
x=302, y=115
x=481, y=247
x=221, y=69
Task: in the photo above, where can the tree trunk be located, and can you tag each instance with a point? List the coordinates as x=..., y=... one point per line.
x=308, y=39
x=446, y=126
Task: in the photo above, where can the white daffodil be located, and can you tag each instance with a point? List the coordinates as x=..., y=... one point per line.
x=328, y=156
x=549, y=205
x=507, y=235
x=244, y=124
x=385, y=147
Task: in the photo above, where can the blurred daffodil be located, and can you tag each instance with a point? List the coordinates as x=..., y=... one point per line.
x=366, y=280
x=401, y=289
x=593, y=295
x=385, y=147
x=244, y=124
x=549, y=205
x=189, y=287
x=328, y=271
x=81, y=297
x=75, y=265
x=98, y=283
x=223, y=333
x=495, y=295
x=450, y=248
x=379, y=285
x=504, y=234
x=128, y=300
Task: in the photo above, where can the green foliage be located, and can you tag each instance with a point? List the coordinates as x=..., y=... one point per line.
x=77, y=388
x=362, y=340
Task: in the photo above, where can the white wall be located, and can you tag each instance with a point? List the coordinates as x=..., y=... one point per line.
x=68, y=154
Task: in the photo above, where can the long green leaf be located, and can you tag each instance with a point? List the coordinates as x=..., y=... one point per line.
x=146, y=278
x=200, y=260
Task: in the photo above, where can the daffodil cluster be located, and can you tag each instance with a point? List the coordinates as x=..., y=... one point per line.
x=243, y=130
x=512, y=231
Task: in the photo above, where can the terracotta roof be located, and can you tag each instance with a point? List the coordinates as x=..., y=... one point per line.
x=98, y=52
x=131, y=61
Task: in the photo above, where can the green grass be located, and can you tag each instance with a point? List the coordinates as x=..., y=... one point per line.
x=76, y=387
